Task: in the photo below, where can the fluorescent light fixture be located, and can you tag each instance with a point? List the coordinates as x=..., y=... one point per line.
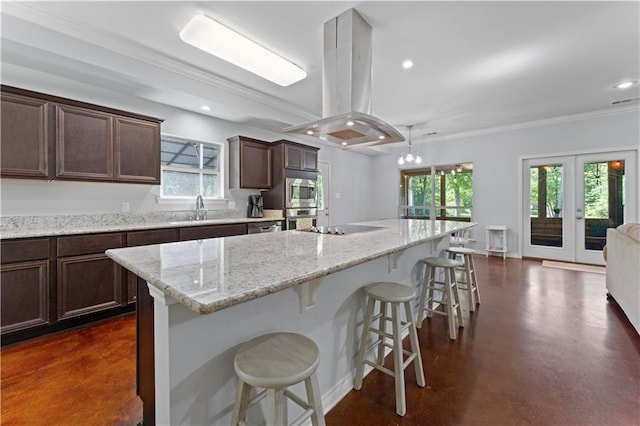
x=218, y=40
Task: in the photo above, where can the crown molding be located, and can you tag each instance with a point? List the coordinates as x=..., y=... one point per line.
x=530, y=124
x=26, y=11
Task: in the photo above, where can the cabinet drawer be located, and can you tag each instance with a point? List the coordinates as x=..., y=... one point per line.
x=152, y=236
x=212, y=231
x=88, y=284
x=25, y=295
x=24, y=250
x=88, y=244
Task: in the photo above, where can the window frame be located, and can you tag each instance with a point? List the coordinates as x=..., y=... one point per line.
x=219, y=171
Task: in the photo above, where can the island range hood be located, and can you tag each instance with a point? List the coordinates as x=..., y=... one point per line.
x=346, y=88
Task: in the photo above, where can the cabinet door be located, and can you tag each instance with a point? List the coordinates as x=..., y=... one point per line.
x=310, y=159
x=87, y=284
x=84, y=144
x=25, y=137
x=137, y=151
x=25, y=295
x=255, y=165
x=212, y=231
x=292, y=157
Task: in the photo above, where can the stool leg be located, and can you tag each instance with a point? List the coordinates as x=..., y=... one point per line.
x=240, y=407
x=381, y=326
x=276, y=407
x=456, y=295
x=357, y=383
x=401, y=407
x=415, y=347
x=474, y=278
x=432, y=283
x=315, y=400
x=423, y=296
x=448, y=294
x=470, y=287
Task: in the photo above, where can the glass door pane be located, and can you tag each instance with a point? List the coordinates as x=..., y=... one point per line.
x=546, y=205
x=604, y=201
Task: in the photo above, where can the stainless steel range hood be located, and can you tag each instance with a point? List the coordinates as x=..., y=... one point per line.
x=346, y=88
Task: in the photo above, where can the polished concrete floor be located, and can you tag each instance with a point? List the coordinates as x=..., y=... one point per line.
x=545, y=347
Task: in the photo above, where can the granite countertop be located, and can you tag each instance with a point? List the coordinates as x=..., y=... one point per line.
x=213, y=274
x=51, y=226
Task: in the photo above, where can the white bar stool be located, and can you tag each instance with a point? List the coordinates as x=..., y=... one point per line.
x=449, y=290
x=274, y=362
x=394, y=294
x=468, y=268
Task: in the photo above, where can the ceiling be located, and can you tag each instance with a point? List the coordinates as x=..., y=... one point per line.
x=478, y=65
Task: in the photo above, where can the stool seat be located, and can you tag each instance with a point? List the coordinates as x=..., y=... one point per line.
x=391, y=292
x=276, y=360
x=440, y=262
x=460, y=250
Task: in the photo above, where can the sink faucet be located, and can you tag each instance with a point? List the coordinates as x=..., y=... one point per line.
x=201, y=213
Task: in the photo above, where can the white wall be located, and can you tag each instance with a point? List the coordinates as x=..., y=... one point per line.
x=495, y=160
x=352, y=171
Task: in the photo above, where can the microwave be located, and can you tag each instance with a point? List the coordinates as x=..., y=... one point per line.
x=300, y=193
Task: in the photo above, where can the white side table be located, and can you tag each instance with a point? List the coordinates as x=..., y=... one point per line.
x=495, y=240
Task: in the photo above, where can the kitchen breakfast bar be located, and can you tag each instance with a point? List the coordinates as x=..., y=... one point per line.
x=209, y=296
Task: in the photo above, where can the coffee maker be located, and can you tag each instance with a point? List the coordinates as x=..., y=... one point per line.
x=255, y=206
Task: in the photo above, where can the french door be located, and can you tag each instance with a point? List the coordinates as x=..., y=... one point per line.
x=570, y=201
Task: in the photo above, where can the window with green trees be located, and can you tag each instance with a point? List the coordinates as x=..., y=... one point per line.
x=441, y=192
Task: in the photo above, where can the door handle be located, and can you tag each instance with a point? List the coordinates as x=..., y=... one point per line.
x=578, y=217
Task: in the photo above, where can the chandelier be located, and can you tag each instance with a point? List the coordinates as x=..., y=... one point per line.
x=409, y=158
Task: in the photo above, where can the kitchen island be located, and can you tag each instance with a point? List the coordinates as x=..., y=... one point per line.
x=211, y=295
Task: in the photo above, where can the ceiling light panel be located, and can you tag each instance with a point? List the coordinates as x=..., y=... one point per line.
x=218, y=40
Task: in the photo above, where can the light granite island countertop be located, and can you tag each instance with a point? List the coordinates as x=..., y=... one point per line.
x=207, y=297
x=209, y=275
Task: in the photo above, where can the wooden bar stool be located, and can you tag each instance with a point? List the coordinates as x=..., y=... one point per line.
x=470, y=281
x=274, y=362
x=393, y=294
x=449, y=290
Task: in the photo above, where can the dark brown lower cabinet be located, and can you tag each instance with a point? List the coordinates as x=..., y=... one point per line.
x=145, y=353
x=25, y=295
x=87, y=284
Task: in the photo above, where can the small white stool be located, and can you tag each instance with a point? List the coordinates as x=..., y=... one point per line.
x=394, y=294
x=274, y=362
x=451, y=299
x=468, y=268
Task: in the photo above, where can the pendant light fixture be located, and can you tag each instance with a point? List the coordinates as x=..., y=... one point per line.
x=409, y=158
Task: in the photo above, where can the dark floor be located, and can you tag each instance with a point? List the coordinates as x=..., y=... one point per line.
x=546, y=347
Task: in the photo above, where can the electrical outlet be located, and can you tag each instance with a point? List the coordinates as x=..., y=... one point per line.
x=337, y=195
x=125, y=206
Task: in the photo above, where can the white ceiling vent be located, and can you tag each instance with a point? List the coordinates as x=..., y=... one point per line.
x=625, y=101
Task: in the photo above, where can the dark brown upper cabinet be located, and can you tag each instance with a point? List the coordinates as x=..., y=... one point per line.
x=137, y=150
x=52, y=137
x=249, y=163
x=300, y=157
x=25, y=134
x=84, y=144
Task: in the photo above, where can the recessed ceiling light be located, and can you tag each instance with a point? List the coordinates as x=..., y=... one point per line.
x=309, y=132
x=381, y=137
x=344, y=144
x=218, y=40
x=407, y=64
x=205, y=107
x=349, y=123
x=625, y=84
